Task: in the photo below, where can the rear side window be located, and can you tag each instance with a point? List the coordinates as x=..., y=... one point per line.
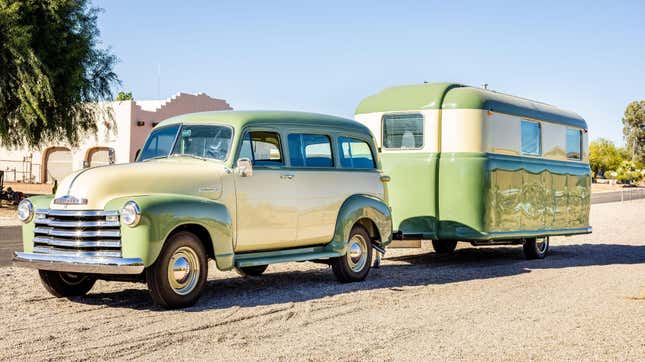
x=262, y=148
x=531, y=138
x=574, y=144
x=403, y=131
x=310, y=150
x=355, y=153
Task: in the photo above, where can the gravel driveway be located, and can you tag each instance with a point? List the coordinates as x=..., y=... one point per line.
x=585, y=301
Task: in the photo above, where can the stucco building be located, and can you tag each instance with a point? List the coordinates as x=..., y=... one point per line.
x=118, y=139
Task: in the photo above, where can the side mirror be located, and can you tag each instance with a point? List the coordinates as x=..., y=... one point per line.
x=244, y=167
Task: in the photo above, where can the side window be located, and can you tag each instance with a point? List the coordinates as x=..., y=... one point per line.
x=355, y=153
x=310, y=150
x=574, y=144
x=262, y=148
x=403, y=131
x=531, y=138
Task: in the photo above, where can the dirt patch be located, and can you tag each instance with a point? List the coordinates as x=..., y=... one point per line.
x=479, y=303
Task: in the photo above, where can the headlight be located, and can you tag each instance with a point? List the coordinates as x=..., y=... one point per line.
x=25, y=211
x=131, y=213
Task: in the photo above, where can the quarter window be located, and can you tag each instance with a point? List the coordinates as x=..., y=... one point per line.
x=310, y=150
x=531, y=138
x=403, y=131
x=262, y=148
x=355, y=153
x=574, y=144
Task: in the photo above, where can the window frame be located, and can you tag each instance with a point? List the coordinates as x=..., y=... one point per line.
x=249, y=130
x=566, y=145
x=423, y=128
x=312, y=133
x=539, y=143
x=369, y=143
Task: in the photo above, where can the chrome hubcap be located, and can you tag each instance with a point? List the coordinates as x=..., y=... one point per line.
x=357, y=253
x=183, y=270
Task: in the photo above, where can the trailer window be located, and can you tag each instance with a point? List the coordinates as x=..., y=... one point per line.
x=574, y=144
x=403, y=131
x=531, y=138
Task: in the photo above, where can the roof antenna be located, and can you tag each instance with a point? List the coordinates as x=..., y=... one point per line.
x=485, y=86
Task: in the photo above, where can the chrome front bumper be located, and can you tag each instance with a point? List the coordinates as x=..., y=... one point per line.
x=78, y=264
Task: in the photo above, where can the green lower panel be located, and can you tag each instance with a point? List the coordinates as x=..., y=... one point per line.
x=411, y=191
x=486, y=196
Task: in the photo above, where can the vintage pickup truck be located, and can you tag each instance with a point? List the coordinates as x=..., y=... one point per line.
x=246, y=189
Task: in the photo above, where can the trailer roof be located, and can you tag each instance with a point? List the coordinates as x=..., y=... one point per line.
x=459, y=96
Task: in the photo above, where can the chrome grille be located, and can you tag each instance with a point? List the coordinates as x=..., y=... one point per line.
x=77, y=233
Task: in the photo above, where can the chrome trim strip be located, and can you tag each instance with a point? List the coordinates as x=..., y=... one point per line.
x=77, y=243
x=77, y=224
x=79, y=264
x=78, y=233
x=77, y=212
x=77, y=253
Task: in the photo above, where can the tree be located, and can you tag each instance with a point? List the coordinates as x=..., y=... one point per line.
x=634, y=130
x=124, y=96
x=604, y=156
x=51, y=71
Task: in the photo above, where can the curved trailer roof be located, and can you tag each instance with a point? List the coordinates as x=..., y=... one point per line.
x=459, y=96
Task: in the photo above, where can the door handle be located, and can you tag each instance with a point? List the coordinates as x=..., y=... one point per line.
x=287, y=176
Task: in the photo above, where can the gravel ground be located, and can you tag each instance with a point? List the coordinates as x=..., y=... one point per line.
x=585, y=301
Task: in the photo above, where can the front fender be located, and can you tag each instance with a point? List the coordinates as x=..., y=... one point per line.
x=358, y=207
x=161, y=214
x=38, y=202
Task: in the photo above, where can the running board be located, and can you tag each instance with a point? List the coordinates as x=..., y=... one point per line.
x=283, y=256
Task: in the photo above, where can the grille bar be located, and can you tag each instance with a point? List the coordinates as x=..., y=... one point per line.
x=78, y=233
x=77, y=243
x=68, y=252
x=77, y=213
x=76, y=224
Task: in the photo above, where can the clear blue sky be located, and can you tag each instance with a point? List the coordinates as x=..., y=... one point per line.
x=326, y=56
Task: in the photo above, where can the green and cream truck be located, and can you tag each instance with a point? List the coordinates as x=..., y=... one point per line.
x=470, y=164
x=245, y=189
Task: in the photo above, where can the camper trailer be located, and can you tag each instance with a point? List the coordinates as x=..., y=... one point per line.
x=470, y=164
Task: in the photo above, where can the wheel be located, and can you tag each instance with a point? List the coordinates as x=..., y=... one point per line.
x=61, y=284
x=251, y=271
x=354, y=266
x=178, y=276
x=536, y=248
x=444, y=246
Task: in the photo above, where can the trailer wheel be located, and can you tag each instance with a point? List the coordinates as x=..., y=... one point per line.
x=536, y=248
x=444, y=246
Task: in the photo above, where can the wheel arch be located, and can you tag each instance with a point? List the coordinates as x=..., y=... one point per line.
x=367, y=211
x=163, y=215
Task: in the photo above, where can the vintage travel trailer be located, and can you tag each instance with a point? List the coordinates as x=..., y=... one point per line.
x=470, y=164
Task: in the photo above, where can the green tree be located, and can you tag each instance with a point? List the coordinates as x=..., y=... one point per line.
x=124, y=96
x=51, y=71
x=634, y=130
x=604, y=156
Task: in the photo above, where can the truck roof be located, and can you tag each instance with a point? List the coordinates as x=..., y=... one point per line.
x=459, y=96
x=240, y=119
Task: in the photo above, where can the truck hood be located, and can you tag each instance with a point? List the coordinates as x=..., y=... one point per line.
x=175, y=175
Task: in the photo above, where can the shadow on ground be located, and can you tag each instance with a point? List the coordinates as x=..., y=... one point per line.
x=397, y=272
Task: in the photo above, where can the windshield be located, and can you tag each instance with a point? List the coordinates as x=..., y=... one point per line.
x=159, y=142
x=198, y=141
x=204, y=141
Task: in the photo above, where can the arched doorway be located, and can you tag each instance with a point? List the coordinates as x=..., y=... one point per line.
x=99, y=156
x=57, y=163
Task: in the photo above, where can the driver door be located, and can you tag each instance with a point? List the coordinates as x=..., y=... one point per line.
x=267, y=210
